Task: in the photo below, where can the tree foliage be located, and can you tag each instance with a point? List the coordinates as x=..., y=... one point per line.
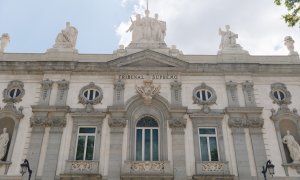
x=293, y=7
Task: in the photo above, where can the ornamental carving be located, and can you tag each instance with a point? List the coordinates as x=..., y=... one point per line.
x=119, y=85
x=82, y=166
x=117, y=122
x=177, y=123
x=42, y=121
x=204, y=95
x=283, y=112
x=147, y=166
x=90, y=94
x=246, y=122
x=279, y=94
x=46, y=87
x=14, y=92
x=63, y=85
x=9, y=108
x=212, y=167
x=148, y=90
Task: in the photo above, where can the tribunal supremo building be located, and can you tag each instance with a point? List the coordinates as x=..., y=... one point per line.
x=148, y=111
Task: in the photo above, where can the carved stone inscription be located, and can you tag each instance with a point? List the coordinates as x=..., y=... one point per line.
x=151, y=76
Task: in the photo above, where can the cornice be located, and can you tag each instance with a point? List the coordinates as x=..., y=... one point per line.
x=33, y=67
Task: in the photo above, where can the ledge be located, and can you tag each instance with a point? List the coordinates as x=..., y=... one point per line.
x=295, y=165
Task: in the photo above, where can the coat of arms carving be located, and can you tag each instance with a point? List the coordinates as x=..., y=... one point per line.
x=148, y=90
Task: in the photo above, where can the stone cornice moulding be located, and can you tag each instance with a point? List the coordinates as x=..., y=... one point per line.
x=214, y=114
x=195, y=69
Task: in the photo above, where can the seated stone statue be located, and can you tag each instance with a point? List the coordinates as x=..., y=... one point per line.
x=4, y=139
x=67, y=37
x=292, y=145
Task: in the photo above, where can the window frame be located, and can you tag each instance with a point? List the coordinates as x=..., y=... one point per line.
x=85, y=145
x=208, y=142
x=143, y=140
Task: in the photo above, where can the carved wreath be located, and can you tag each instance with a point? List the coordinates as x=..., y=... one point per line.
x=14, y=92
x=211, y=99
x=97, y=97
x=280, y=88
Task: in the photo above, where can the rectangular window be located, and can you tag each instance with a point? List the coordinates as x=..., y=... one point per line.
x=208, y=144
x=147, y=144
x=85, y=143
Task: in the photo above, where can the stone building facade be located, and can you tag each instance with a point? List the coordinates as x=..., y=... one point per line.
x=149, y=112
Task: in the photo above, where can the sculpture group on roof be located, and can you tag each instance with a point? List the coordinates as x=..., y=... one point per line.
x=147, y=29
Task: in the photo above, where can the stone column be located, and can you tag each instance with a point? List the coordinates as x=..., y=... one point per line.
x=34, y=150
x=178, y=148
x=117, y=126
x=52, y=153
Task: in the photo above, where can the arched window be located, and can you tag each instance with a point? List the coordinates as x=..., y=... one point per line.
x=147, y=140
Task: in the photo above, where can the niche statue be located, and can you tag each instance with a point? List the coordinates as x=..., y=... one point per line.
x=4, y=139
x=292, y=145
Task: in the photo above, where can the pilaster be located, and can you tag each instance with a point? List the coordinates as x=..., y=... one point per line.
x=178, y=124
x=117, y=125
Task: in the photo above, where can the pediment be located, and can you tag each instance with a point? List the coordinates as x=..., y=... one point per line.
x=147, y=59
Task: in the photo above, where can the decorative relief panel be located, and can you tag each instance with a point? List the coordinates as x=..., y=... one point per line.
x=279, y=94
x=148, y=90
x=147, y=166
x=176, y=93
x=248, y=91
x=45, y=91
x=231, y=88
x=117, y=122
x=63, y=87
x=82, y=167
x=119, y=87
x=14, y=92
x=47, y=121
x=212, y=166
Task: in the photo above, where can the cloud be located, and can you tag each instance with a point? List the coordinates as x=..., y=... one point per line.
x=193, y=25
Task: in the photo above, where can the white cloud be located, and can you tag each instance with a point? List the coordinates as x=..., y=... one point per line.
x=193, y=25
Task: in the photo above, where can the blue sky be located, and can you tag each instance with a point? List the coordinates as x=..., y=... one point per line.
x=191, y=24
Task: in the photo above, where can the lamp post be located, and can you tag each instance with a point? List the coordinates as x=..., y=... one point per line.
x=270, y=167
x=24, y=167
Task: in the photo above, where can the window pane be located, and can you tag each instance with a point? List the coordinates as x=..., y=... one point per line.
x=281, y=95
x=90, y=148
x=138, y=145
x=87, y=130
x=155, y=144
x=147, y=122
x=80, y=148
x=147, y=145
x=91, y=97
x=203, y=95
x=213, y=149
x=204, y=149
x=207, y=131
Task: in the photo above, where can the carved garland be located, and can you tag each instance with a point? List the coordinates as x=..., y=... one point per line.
x=14, y=92
x=96, y=100
x=281, y=88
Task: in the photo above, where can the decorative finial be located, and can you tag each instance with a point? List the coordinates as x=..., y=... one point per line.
x=4, y=41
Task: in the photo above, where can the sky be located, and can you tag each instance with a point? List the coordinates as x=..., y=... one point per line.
x=192, y=25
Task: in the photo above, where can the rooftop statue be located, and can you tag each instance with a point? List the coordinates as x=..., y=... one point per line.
x=147, y=30
x=4, y=139
x=289, y=43
x=66, y=38
x=5, y=39
x=228, y=38
x=292, y=145
x=228, y=42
